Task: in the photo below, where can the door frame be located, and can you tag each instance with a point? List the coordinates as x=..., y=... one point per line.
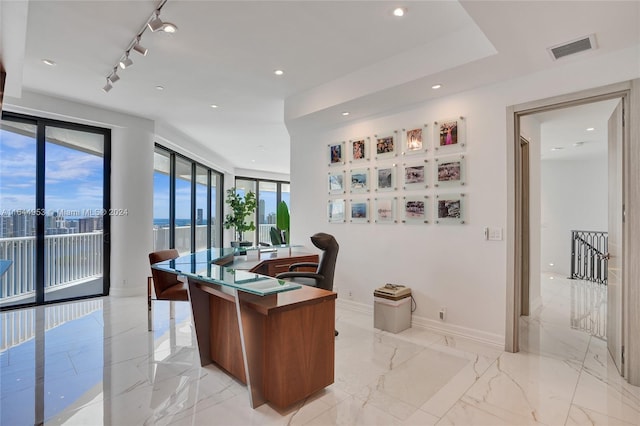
x=630, y=92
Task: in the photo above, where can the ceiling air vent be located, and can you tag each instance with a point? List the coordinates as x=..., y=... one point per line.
x=576, y=46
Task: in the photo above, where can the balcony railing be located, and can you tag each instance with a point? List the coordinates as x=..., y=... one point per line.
x=69, y=260
x=74, y=259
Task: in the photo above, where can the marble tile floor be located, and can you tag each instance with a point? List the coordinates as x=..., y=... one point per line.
x=77, y=364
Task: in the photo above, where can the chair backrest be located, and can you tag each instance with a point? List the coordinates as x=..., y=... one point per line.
x=161, y=279
x=328, y=244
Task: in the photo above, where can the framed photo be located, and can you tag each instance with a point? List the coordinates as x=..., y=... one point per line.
x=359, y=211
x=449, y=135
x=414, y=140
x=336, y=154
x=386, y=145
x=414, y=175
x=449, y=171
x=359, y=149
x=385, y=178
x=385, y=210
x=359, y=179
x=336, y=182
x=450, y=208
x=415, y=209
x=335, y=211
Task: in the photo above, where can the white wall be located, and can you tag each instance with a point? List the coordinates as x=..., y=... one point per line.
x=448, y=266
x=574, y=197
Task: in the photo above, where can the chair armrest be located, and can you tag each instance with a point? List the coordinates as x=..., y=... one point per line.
x=310, y=275
x=295, y=266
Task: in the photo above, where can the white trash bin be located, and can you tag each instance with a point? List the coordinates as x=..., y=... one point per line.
x=392, y=308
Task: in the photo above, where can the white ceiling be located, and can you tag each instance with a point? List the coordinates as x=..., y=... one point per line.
x=337, y=55
x=564, y=134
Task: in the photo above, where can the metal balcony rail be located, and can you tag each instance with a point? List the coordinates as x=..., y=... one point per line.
x=588, y=256
x=70, y=259
x=73, y=259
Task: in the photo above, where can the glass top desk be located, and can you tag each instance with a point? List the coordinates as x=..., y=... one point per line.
x=215, y=266
x=267, y=333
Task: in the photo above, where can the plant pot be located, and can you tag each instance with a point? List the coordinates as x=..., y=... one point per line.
x=241, y=244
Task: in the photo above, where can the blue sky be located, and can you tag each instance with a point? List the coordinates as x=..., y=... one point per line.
x=73, y=178
x=74, y=181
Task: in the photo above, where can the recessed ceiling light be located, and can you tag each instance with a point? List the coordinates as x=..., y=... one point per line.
x=159, y=87
x=557, y=148
x=399, y=11
x=214, y=106
x=49, y=62
x=436, y=86
x=345, y=113
x=590, y=129
x=278, y=72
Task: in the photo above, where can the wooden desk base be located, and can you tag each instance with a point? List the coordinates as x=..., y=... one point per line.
x=281, y=346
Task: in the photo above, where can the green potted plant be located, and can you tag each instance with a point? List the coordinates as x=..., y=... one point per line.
x=241, y=207
x=282, y=220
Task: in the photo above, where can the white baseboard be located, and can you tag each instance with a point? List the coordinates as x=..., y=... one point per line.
x=127, y=291
x=432, y=325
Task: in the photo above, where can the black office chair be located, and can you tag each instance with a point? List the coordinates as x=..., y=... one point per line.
x=323, y=276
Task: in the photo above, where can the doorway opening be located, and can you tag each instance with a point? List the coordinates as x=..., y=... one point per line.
x=521, y=268
x=564, y=236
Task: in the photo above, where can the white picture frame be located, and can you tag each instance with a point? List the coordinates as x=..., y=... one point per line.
x=336, y=154
x=385, y=210
x=336, y=211
x=336, y=182
x=415, y=209
x=359, y=210
x=449, y=135
x=449, y=171
x=415, y=140
x=450, y=208
x=415, y=175
x=386, y=145
x=359, y=180
x=359, y=149
x=385, y=178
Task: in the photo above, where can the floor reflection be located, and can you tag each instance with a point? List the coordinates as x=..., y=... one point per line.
x=589, y=308
x=56, y=361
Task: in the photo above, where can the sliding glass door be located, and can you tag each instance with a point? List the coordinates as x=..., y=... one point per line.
x=18, y=152
x=54, y=210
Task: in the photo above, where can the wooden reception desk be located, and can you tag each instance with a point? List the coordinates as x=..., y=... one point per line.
x=275, y=336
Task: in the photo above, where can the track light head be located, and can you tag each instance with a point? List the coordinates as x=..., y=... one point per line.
x=138, y=47
x=107, y=86
x=114, y=76
x=126, y=62
x=156, y=23
x=170, y=28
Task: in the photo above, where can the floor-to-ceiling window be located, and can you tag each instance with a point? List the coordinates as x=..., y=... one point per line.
x=269, y=194
x=54, y=210
x=186, y=203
